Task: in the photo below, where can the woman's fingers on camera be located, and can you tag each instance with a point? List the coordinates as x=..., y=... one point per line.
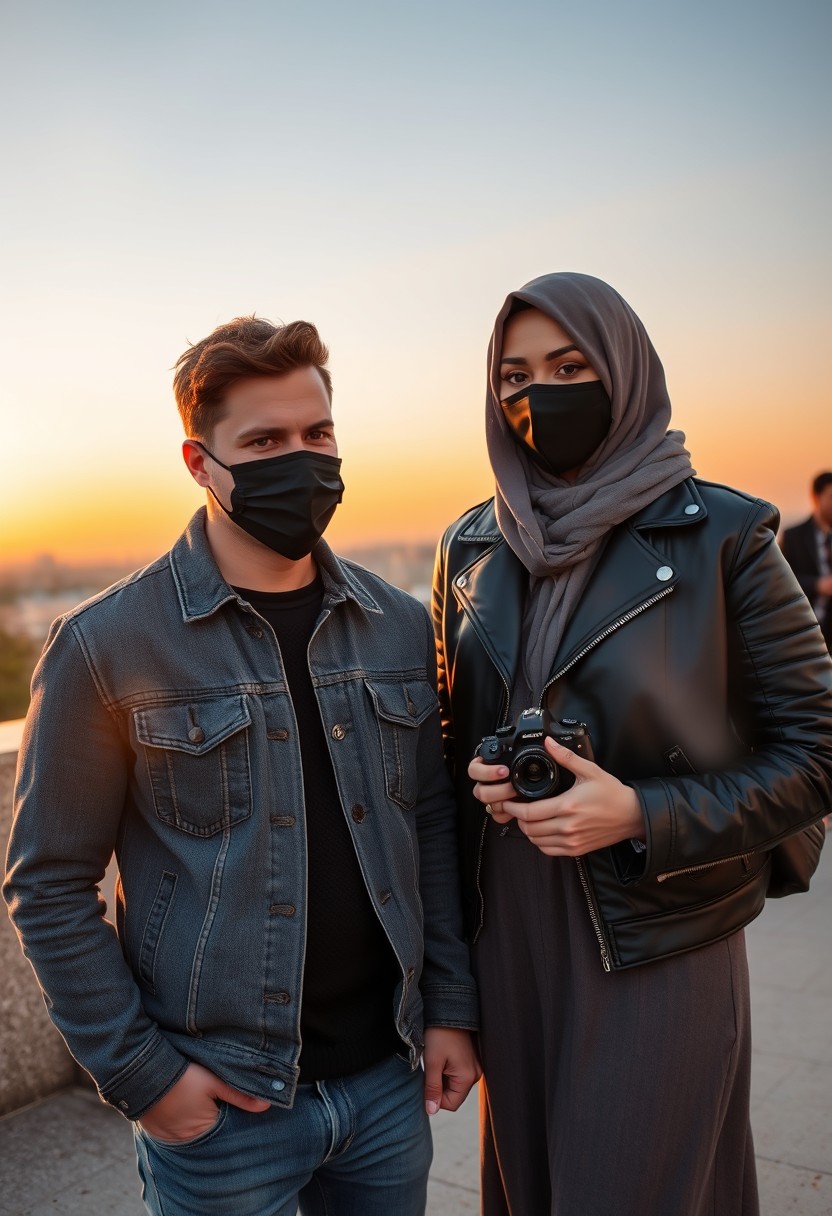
x=492, y=792
x=486, y=773
x=568, y=759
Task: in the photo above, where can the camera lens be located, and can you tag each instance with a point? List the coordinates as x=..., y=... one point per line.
x=534, y=774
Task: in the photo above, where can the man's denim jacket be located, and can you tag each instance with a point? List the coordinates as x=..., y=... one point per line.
x=161, y=728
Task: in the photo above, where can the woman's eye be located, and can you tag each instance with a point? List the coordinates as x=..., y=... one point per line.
x=569, y=369
x=515, y=378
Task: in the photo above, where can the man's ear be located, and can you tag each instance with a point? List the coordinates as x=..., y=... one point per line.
x=195, y=457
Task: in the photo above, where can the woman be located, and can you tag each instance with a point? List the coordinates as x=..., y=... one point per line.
x=605, y=584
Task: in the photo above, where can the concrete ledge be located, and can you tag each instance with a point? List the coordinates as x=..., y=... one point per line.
x=33, y=1059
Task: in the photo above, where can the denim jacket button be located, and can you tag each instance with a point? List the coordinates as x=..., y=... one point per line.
x=338, y=732
x=196, y=734
x=123, y=1105
x=358, y=813
x=278, y=1085
x=384, y=897
x=254, y=630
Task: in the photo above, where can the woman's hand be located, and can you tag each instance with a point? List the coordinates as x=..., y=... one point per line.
x=492, y=788
x=598, y=810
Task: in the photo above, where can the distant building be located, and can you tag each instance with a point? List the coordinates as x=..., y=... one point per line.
x=34, y=596
x=31, y=614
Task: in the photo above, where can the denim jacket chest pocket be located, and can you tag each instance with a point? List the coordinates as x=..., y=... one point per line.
x=400, y=708
x=198, y=762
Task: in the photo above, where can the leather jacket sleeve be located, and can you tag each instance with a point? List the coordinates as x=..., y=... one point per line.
x=780, y=694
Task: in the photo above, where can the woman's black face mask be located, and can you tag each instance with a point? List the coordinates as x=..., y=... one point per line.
x=560, y=425
x=285, y=502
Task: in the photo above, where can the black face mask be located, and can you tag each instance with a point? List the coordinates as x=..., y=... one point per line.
x=560, y=425
x=285, y=502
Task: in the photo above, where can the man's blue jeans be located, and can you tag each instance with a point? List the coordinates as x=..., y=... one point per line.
x=357, y=1146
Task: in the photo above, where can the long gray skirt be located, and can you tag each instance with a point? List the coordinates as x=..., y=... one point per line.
x=605, y=1093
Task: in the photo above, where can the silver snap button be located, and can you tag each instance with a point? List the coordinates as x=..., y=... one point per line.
x=196, y=734
x=338, y=731
x=278, y=1085
x=692, y=509
x=461, y=581
x=664, y=573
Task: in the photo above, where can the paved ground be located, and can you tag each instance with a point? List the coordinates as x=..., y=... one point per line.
x=71, y=1155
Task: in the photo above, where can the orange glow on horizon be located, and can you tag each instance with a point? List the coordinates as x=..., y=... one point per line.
x=128, y=526
x=398, y=494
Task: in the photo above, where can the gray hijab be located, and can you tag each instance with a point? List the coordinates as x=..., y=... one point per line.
x=557, y=529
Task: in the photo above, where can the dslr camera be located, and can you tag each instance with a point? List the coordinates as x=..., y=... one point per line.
x=533, y=772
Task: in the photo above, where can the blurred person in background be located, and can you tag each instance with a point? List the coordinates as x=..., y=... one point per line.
x=808, y=550
x=648, y=700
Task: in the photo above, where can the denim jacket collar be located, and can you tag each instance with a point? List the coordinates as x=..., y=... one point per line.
x=201, y=589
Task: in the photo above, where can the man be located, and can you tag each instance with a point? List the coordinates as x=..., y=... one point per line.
x=807, y=548
x=251, y=725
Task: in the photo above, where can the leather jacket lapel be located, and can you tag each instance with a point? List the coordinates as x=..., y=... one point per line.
x=491, y=592
x=631, y=575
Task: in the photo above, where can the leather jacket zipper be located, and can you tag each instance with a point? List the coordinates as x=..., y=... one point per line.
x=593, y=914
x=622, y=620
x=705, y=865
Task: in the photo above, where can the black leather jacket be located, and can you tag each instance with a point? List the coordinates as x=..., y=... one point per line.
x=699, y=667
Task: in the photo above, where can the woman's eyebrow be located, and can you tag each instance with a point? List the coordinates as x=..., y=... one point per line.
x=553, y=354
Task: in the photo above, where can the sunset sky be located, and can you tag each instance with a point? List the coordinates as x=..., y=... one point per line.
x=391, y=171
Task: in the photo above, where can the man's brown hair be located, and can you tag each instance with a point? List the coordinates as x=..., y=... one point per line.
x=246, y=346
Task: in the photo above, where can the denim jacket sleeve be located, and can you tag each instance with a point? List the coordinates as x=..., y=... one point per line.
x=447, y=987
x=72, y=779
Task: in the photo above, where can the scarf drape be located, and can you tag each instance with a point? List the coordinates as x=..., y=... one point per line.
x=556, y=529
